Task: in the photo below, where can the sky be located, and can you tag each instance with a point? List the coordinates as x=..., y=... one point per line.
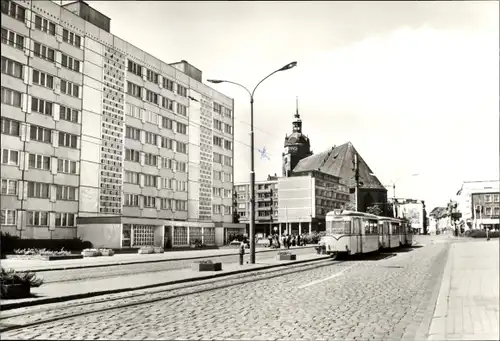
x=413, y=85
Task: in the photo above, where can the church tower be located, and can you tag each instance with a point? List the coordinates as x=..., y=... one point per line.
x=297, y=146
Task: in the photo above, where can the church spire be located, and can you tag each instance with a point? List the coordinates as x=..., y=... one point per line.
x=297, y=107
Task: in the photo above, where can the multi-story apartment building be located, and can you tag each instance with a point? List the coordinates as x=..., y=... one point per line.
x=100, y=135
x=479, y=203
x=266, y=204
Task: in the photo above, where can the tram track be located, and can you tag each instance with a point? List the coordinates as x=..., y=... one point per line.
x=61, y=311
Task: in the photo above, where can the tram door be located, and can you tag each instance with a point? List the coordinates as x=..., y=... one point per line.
x=358, y=231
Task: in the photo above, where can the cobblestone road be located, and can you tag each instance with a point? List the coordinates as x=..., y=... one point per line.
x=366, y=299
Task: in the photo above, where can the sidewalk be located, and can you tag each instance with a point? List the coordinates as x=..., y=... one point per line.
x=468, y=303
x=122, y=259
x=59, y=292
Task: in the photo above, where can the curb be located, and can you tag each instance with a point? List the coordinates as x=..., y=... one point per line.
x=440, y=313
x=146, y=261
x=17, y=305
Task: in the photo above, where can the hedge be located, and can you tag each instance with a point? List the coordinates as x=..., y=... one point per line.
x=481, y=234
x=9, y=243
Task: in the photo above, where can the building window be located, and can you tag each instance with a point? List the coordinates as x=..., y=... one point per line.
x=217, y=141
x=227, y=112
x=180, y=167
x=9, y=187
x=217, y=108
x=228, y=145
x=180, y=205
x=67, y=140
x=65, y=219
x=227, y=193
x=68, y=114
x=132, y=133
x=496, y=212
x=166, y=122
x=10, y=127
x=168, y=183
x=41, y=106
x=217, y=124
x=167, y=143
x=131, y=177
x=45, y=25
x=40, y=134
x=216, y=209
x=228, y=161
x=217, y=158
x=228, y=177
x=182, y=186
x=228, y=129
x=13, y=39
x=69, y=88
x=71, y=38
x=181, y=147
x=38, y=190
x=181, y=109
x=181, y=90
x=10, y=157
x=487, y=211
x=13, y=10
x=8, y=217
x=150, y=180
x=217, y=175
x=43, y=79
x=131, y=200
x=229, y=210
x=66, y=166
x=70, y=63
x=11, y=97
x=180, y=235
x=12, y=68
x=134, y=68
x=168, y=163
x=149, y=201
x=37, y=218
x=151, y=138
x=152, y=76
x=217, y=192
x=151, y=97
x=151, y=117
x=496, y=197
x=168, y=84
x=150, y=159
x=181, y=128
x=39, y=162
x=66, y=193
x=487, y=198
x=132, y=155
x=134, y=90
x=167, y=104
x=133, y=111
x=166, y=204
x=44, y=52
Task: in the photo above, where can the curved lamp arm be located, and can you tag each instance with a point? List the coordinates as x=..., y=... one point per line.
x=286, y=67
x=224, y=81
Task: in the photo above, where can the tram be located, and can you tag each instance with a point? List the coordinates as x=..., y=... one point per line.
x=351, y=233
x=390, y=232
x=407, y=235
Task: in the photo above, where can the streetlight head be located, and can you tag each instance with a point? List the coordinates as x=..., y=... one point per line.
x=288, y=66
x=214, y=81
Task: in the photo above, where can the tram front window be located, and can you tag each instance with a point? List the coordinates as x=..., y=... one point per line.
x=338, y=227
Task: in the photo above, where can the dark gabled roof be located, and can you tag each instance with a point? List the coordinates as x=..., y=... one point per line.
x=439, y=212
x=338, y=161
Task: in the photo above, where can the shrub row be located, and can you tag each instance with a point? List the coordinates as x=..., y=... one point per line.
x=9, y=243
x=481, y=233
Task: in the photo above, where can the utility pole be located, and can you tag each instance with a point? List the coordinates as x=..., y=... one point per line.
x=356, y=179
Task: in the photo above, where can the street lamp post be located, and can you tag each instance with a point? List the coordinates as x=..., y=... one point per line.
x=252, y=167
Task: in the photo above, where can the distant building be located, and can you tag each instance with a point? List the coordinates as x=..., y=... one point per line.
x=439, y=220
x=413, y=210
x=479, y=203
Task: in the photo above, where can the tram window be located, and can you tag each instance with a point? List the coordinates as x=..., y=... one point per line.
x=356, y=226
x=367, y=227
x=374, y=228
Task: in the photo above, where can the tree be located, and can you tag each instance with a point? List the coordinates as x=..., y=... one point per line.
x=350, y=207
x=374, y=209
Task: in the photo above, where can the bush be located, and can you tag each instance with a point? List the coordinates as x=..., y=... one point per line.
x=481, y=234
x=233, y=237
x=313, y=238
x=197, y=243
x=41, y=252
x=12, y=277
x=9, y=243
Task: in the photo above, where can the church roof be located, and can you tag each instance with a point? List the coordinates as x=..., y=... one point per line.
x=339, y=162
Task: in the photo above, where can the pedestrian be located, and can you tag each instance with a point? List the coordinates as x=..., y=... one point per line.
x=299, y=240
x=294, y=240
x=288, y=241
x=285, y=241
x=270, y=240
